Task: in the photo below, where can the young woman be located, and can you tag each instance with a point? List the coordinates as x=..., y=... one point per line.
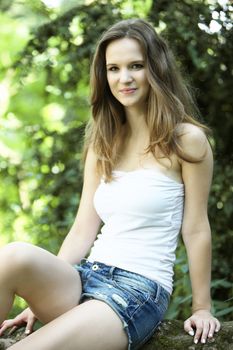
x=148, y=171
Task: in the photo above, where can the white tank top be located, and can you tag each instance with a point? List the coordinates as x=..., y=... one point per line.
x=142, y=215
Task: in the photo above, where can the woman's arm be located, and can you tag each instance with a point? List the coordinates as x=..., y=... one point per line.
x=78, y=241
x=86, y=225
x=196, y=232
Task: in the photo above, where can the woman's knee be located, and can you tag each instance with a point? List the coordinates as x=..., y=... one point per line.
x=16, y=256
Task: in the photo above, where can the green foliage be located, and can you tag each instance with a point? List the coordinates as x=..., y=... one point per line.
x=44, y=89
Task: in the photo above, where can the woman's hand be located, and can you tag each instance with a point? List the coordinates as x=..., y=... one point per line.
x=26, y=317
x=201, y=325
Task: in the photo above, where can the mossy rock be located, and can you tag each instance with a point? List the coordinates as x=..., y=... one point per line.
x=169, y=336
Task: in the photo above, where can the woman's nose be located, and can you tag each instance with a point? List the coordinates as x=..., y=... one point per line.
x=125, y=76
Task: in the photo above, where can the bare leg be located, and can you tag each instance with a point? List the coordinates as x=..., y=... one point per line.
x=91, y=325
x=48, y=284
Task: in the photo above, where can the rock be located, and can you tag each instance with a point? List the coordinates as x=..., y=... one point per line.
x=169, y=336
x=8, y=340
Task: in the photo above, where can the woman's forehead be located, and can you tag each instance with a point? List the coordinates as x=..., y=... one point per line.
x=122, y=50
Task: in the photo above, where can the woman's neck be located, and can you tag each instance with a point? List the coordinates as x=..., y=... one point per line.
x=136, y=121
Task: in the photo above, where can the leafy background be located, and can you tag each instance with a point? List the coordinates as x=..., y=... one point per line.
x=45, y=52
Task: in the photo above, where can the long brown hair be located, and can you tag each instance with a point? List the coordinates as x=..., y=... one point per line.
x=169, y=101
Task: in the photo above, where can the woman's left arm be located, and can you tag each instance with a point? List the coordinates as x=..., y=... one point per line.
x=196, y=232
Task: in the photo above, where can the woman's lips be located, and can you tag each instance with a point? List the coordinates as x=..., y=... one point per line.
x=128, y=91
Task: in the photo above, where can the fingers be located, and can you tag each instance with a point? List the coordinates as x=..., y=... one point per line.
x=26, y=317
x=204, y=328
x=214, y=328
x=188, y=327
x=198, y=333
x=205, y=331
x=30, y=324
x=7, y=324
x=12, y=330
x=14, y=324
x=218, y=325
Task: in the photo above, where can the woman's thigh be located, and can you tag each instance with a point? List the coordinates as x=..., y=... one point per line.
x=50, y=285
x=91, y=325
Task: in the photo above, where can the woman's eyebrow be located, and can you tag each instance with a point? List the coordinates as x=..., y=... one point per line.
x=131, y=62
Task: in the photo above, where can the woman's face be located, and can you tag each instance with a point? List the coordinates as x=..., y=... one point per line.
x=126, y=73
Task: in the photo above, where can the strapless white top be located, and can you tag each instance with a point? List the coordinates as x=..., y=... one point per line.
x=142, y=214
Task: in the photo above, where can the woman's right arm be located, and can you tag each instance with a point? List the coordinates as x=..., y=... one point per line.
x=78, y=241
x=87, y=222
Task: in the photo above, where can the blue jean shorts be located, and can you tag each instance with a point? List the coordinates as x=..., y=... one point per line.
x=139, y=302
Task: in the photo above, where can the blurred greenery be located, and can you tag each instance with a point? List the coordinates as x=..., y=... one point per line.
x=45, y=53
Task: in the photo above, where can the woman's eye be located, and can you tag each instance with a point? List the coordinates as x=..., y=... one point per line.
x=137, y=66
x=112, y=69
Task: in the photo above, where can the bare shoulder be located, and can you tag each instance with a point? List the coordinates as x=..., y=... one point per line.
x=193, y=141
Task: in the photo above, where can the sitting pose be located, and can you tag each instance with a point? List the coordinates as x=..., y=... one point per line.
x=147, y=175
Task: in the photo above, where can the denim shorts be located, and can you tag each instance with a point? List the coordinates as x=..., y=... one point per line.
x=139, y=302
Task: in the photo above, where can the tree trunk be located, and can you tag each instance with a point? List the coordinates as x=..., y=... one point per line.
x=170, y=336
